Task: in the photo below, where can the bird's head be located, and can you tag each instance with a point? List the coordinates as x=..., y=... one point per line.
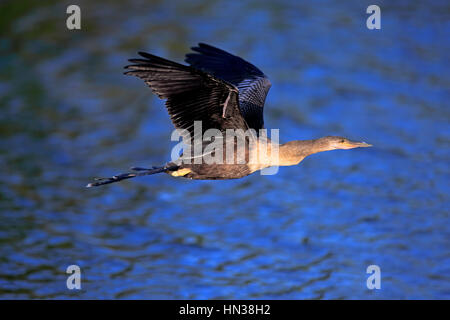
x=333, y=143
x=295, y=151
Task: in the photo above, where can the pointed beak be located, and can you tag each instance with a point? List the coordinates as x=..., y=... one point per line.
x=355, y=144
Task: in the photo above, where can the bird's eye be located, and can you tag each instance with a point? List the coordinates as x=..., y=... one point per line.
x=343, y=140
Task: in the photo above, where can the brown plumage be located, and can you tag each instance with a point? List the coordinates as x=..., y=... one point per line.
x=224, y=92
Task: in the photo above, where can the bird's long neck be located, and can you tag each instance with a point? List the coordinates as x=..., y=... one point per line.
x=293, y=152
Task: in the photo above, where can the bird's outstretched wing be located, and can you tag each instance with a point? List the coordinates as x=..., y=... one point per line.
x=253, y=85
x=192, y=95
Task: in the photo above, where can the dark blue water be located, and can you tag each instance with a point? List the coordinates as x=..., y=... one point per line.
x=68, y=114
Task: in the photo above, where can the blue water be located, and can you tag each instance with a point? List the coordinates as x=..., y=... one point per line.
x=309, y=232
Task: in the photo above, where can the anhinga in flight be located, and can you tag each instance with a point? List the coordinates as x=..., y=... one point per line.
x=224, y=92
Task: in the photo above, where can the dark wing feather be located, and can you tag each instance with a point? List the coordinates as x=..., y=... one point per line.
x=253, y=85
x=191, y=94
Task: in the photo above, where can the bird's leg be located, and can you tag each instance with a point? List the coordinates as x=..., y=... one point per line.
x=128, y=175
x=116, y=178
x=141, y=169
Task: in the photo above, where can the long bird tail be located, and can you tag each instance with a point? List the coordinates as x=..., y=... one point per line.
x=137, y=173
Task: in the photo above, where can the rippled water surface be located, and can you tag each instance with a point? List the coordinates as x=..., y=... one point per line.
x=68, y=114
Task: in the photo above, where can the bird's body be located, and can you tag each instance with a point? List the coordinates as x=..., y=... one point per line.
x=222, y=92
